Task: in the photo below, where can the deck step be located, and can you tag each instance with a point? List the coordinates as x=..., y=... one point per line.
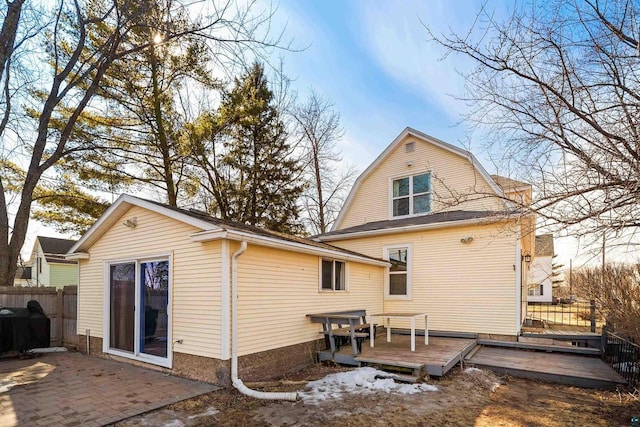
x=540, y=347
x=401, y=364
x=406, y=378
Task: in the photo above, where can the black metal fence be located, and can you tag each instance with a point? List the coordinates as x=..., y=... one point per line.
x=577, y=313
x=623, y=356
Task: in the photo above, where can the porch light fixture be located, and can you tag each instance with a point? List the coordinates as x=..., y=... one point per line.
x=131, y=223
x=467, y=239
x=526, y=257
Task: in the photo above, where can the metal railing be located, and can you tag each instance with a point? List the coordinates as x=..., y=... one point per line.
x=578, y=313
x=623, y=356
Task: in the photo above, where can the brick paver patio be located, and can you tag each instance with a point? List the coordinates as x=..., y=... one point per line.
x=71, y=389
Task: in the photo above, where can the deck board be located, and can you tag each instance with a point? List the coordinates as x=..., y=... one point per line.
x=437, y=357
x=584, y=371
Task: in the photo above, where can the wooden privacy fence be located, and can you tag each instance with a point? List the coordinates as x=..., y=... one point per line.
x=58, y=304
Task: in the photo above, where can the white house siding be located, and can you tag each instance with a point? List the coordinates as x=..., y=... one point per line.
x=63, y=274
x=195, y=278
x=463, y=287
x=278, y=288
x=371, y=201
x=540, y=273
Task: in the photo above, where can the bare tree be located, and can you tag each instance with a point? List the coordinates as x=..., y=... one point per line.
x=557, y=88
x=42, y=108
x=616, y=292
x=319, y=128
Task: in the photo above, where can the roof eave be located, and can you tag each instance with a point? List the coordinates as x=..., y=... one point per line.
x=205, y=236
x=407, y=228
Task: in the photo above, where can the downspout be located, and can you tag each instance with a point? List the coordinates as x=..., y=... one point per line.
x=237, y=382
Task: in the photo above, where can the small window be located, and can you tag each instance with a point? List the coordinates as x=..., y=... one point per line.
x=333, y=275
x=399, y=271
x=411, y=195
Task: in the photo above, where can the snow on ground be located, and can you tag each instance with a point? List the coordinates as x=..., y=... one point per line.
x=472, y=370
x=209, y=412
x=358, y=381
x=48, y=350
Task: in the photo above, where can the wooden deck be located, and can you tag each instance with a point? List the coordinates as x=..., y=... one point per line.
x=434, y=359
x=582, y=371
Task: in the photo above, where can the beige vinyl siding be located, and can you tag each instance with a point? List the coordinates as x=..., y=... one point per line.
x=463, y=287
x=277, y=289
x=195, y=278
x=63, y=274
x=453, y=179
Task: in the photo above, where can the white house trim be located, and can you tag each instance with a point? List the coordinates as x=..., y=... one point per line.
x=119, y=208
x=272, y=242
x=426, y=138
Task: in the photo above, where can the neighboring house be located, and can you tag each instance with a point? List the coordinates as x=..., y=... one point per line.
x=49, y=267
x=541, y=270
x=179, y=267
x=23, y=277
x=425, y=229
x=453, y=236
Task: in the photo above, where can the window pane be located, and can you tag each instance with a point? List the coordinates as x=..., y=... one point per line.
x=327, y=267
x=401, y=187
x=401, y=206
x=340, y=282
x=421, y=204
x=421, y=183
x=154, y=320
x=398, y=259
x=397, y=284
x=122, y=295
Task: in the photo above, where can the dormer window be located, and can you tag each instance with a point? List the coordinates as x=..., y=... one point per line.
x=411, y=195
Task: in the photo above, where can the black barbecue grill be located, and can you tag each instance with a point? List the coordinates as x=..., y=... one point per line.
x=23, y=329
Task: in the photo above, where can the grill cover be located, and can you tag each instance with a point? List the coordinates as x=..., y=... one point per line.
x=23, y=329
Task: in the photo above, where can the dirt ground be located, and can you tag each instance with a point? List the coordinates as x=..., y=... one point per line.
x=462, y=399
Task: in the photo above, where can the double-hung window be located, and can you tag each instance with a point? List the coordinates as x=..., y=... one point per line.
x=399, y=280
x=411, y=195
x=333, y=275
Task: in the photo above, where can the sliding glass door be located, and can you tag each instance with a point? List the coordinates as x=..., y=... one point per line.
x=154, y=280
x=122, y=292
x=139, y=321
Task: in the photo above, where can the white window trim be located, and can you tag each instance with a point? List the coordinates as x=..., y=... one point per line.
x=411, y=195
x=333, y=272
x=154, y=360
x=385, y=256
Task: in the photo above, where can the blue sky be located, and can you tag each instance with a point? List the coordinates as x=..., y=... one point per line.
x=374, y=61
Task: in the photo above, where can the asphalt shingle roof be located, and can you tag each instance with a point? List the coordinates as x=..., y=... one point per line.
x=435, y=218
x=54, y=249
x=236, y=226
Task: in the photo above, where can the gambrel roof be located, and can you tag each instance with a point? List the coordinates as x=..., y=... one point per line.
x=427, y=139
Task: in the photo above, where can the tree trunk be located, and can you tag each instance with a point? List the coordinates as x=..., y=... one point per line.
x=172, y=198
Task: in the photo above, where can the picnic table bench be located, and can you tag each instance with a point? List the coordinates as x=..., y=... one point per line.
x=351, y=324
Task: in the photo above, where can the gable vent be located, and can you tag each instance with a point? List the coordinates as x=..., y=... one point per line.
x=410, y=147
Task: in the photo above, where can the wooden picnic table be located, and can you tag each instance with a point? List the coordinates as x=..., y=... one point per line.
x=356, y=329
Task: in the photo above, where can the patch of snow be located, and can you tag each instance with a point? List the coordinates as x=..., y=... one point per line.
x=48, y=350
x=6, y=385
x=358, y=381
x=173, y=423
x=209, y=412
x=472, y=370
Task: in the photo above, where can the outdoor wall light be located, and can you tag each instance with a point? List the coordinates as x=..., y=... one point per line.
x=467, y=239
x=131, y=223
x=526, y=257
